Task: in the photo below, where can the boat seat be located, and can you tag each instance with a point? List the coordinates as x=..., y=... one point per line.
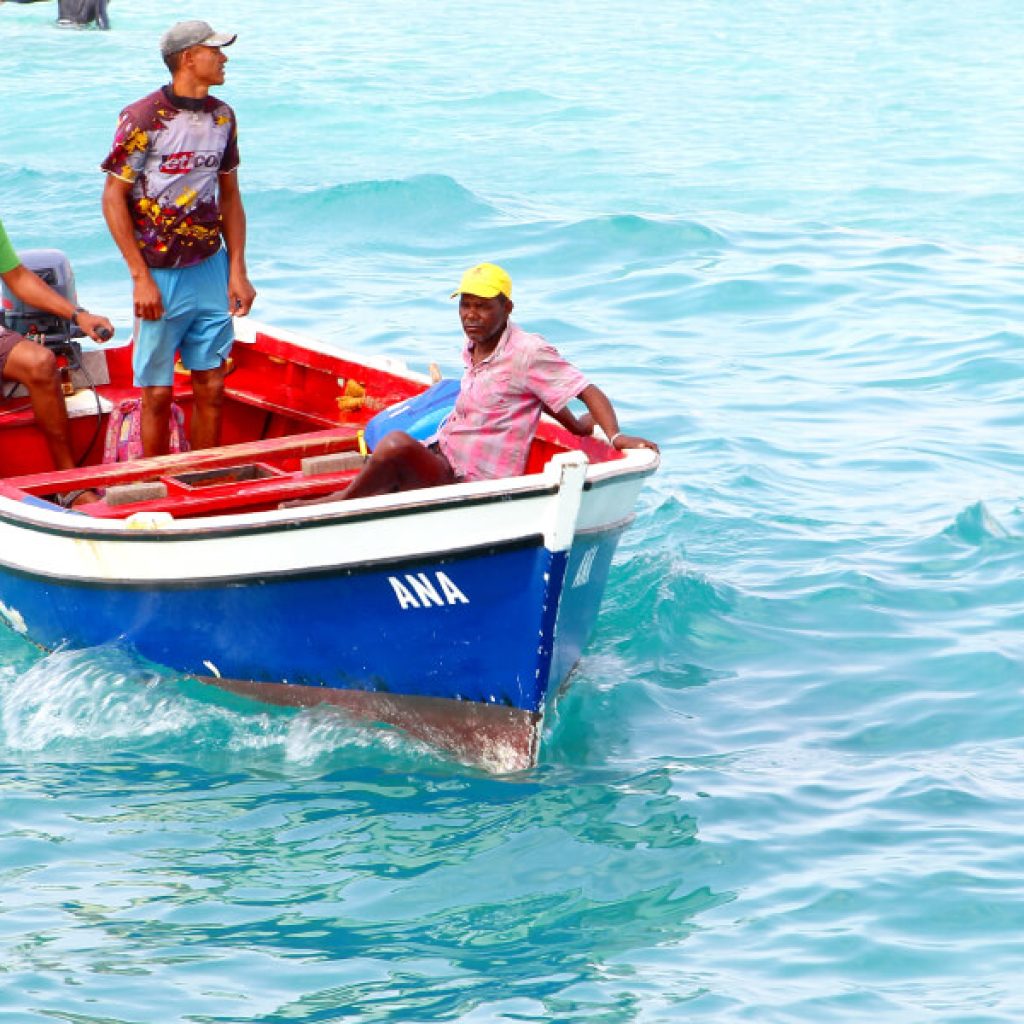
x=211, y=480
x=314, y=465
x=292, y=447
x=129, y=494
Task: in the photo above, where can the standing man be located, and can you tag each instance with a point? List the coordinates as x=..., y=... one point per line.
x=35, y=366
x=174, y=209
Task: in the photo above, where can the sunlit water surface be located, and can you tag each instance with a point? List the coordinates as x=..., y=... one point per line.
x=785, y=784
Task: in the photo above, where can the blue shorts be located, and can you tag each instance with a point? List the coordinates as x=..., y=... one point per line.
x=196, y=323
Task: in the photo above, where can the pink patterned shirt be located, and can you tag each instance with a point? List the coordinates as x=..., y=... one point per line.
x=488, y=434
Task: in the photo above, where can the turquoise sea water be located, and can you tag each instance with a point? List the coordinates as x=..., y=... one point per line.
x=785, y=783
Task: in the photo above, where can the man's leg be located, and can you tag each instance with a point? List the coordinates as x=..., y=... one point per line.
x=399, y=463
x=208, y=391
x=156, y=342
x=206, y=345
x=35, y=366
x=156, y=412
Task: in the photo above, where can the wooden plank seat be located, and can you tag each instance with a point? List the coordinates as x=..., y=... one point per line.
x=224, y=499
x=255, y=473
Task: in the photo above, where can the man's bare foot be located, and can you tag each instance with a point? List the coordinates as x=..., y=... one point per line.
x=72, y=499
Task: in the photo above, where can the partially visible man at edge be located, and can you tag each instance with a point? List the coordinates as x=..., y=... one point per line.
x=173, y=206
x=35, y=366
x=511, y=378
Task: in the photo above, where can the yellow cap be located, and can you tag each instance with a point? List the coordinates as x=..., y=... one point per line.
x=485, y=281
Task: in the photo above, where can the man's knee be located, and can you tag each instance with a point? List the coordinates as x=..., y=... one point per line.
x=156, y=401
x=396, y=444
x=208, y=386
x=32, y=364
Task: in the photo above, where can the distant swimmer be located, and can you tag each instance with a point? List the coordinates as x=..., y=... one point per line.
x=83, y=12
x=76, y=12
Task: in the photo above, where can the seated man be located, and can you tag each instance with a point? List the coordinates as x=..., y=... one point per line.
x=511, y=378
x=34, y=365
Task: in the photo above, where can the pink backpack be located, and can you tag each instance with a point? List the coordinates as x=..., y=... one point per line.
x=124, y=431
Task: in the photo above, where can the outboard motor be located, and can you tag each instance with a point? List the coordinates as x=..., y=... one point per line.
x=77, y=369
x=52, y=331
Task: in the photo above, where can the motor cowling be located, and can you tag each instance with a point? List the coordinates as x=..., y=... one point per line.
x=53, y=331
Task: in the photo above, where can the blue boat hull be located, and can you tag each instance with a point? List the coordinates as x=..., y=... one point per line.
x=461, y=651
x=487, y=622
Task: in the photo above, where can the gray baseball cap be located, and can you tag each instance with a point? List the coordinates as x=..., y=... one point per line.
x=192, y=33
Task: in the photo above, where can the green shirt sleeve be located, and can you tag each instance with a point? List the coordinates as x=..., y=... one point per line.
x=8, y=257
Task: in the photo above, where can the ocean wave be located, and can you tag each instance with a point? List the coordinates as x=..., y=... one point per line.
x=20, y=176
x=403, y=212
x=522, y=106
x=976, y=525
x=106, y=699
x=100, y=696
x=630, y=240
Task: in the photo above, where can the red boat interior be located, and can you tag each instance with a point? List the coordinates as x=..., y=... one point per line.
x=291, y=427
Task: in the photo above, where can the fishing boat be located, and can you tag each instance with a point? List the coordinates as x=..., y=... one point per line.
x=454, y=613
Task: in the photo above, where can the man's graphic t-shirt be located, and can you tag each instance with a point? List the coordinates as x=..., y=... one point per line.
x=172, y=158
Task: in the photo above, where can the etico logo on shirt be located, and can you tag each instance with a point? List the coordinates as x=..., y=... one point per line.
x=183, y=162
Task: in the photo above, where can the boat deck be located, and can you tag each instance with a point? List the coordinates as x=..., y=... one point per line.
x=289, y=433
x=248, y=476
